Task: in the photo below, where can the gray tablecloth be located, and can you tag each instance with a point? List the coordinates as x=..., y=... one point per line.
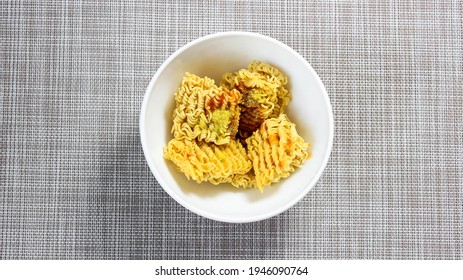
x=74, y=183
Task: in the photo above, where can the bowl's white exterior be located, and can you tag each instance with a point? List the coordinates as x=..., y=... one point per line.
x=212, y=56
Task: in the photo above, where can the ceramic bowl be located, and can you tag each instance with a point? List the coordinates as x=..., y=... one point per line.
x=212, y=56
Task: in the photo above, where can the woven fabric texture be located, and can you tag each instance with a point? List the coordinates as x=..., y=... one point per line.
x=74, y=183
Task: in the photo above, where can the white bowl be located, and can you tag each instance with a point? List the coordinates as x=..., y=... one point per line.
x=212, y=56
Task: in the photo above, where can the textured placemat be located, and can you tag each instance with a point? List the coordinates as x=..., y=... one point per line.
x=74, y=182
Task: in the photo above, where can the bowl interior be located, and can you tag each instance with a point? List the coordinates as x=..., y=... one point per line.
x=213, y=56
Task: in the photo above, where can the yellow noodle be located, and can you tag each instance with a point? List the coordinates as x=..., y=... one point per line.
x=264, y=94
x=275, y=76
x=250, y=102
x=202, y=161
x=275, y=150
x=247, y=180
x=204, y=111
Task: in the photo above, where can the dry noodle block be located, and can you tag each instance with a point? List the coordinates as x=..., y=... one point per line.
x=205, y=112
x=203, y=161
x=264, y=94
x=275, y=150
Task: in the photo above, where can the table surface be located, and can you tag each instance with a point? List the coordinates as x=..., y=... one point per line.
x=74, y=183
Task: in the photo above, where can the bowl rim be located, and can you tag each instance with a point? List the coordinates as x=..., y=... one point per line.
x=186, y=204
